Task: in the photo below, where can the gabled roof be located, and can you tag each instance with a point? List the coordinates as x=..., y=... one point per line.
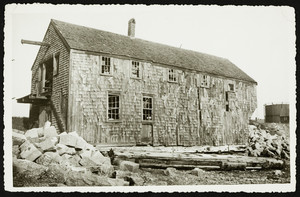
x=94, y=40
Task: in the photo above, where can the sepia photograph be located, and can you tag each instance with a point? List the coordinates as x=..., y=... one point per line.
x=102, y=98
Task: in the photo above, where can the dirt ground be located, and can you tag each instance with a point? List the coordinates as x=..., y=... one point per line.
x=176, y=177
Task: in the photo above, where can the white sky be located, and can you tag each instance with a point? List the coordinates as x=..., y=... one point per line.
x=259, y=40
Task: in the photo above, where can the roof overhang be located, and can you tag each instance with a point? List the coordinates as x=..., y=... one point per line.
x=33, y=99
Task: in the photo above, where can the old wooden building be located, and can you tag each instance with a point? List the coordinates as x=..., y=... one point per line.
x=116, y=89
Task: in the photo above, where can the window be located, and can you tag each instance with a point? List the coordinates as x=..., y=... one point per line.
x=105, y=66
x=113, y=107
x=55, y=64
x=231, y=87
x=135, y=69
x=147, y=108
x=172, y=75
x=204, y=81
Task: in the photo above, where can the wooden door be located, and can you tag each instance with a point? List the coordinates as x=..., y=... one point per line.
x=146, y=134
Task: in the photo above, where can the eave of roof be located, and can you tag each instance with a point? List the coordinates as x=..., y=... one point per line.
x=94, y=40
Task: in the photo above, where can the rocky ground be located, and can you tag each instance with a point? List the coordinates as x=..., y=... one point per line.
x=148, y=176
x=41, y=157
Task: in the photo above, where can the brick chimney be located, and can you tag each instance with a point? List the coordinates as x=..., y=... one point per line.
x=131, y=27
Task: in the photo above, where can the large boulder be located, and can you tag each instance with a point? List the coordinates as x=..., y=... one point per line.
x=44, y=160
x=72, y=160
x=50, y=132
x=16, y=151
x=29, y=168
x=129, y=166
x=55, y=157
x=96, y=157
x=170, y=172
x=48, y=144
x=89, y=179
x=29, y=151
x=68, y=140
x=63, y=149
x=72, y=139
x=87, y=162
x=102, y=170
x=198, y=172
x=18, y=138
x=34, y=133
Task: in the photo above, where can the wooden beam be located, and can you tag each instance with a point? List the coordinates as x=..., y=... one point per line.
x=35, y=43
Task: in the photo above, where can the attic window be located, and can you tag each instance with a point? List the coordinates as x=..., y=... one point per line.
x=172, y=75
x=105, y=66
x=135, y=69
x=231, y=87
x=204, y=81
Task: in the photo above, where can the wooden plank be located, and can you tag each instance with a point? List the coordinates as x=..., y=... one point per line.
x=181, y=162
x=34, y=42
x=153, y=165
x=193, y=159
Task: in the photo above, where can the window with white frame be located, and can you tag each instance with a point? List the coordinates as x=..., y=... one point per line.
x=105, y=66
x=204, y=81
x=135, y=69
x=113, y=107
x=172, y=75
x=147, y=108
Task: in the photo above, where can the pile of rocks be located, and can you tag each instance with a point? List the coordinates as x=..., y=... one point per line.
x=263, y=143
x=42, y=150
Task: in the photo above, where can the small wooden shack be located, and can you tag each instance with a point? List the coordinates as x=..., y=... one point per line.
x=116, y=89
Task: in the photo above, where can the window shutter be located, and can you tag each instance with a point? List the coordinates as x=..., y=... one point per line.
x=43, y=76
x=165, y=74
x=141, y=69
x=113, y=65
x=208, y=81
x=39, y=73
x=54, y=65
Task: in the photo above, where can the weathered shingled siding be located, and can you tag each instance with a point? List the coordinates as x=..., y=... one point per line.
x=60, y=81
x=177, y=119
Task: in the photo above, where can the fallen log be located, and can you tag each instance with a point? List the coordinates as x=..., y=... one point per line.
x=198, y=160
x=182, y=166
x=233, y=166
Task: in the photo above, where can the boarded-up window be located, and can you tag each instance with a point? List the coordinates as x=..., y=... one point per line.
x=105, y=66
x=147, y=108
x=113, y=107
x=172, y=75
x=135, y=69
x=55, y=64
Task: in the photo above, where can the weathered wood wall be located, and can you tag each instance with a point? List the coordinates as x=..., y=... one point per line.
x=184, y=112
x=61, y=80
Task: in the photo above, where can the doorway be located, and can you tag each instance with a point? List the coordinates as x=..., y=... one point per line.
x=147, y=134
